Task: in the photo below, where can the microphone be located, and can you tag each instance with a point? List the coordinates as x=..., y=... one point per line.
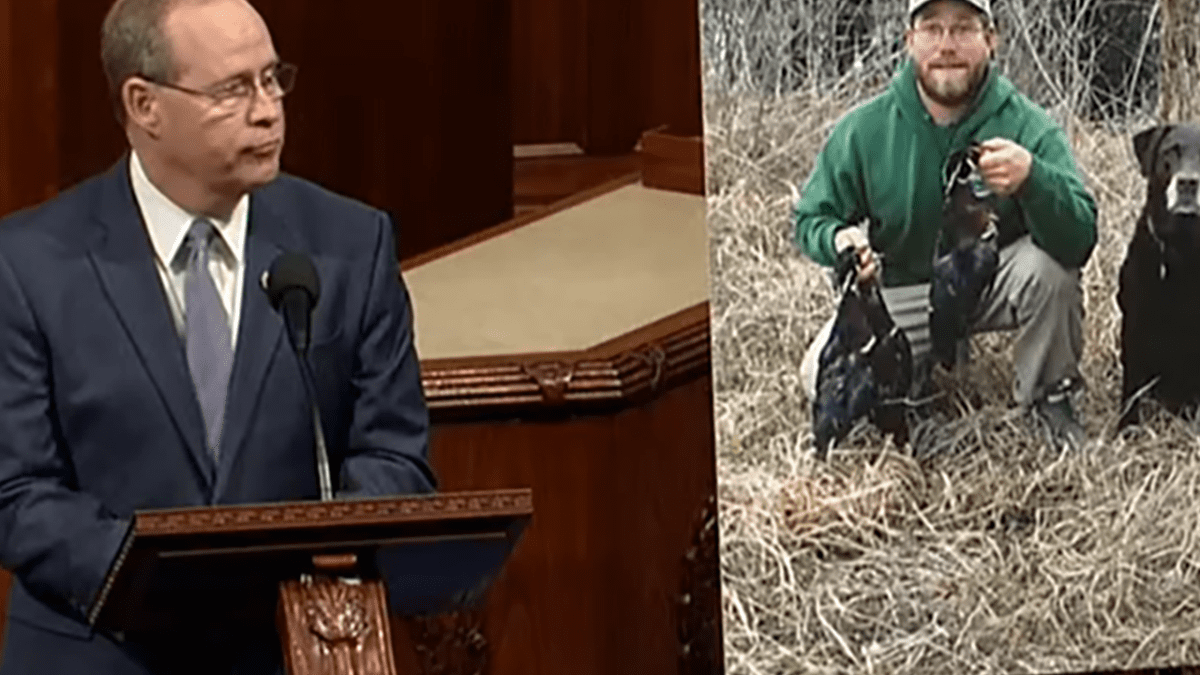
x=293, y=288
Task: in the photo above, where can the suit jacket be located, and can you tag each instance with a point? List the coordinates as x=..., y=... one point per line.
x=99, y=417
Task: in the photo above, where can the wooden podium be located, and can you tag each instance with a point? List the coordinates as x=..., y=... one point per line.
x=328, y=573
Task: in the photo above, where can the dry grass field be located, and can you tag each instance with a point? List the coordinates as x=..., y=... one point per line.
x=981, y=550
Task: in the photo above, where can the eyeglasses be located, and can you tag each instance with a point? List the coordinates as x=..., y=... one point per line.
x=932, y=33
x=277, y=81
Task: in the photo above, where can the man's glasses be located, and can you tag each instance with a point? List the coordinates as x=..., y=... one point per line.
x=933, y=33
x=237, y=94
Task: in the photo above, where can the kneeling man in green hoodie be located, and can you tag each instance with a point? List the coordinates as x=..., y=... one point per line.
x=883, y=166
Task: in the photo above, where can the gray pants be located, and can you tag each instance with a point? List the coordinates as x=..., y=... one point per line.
x=1032, y=293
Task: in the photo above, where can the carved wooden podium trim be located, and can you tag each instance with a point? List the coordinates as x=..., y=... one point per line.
x=614, y=374
x=306, y=515
x=450, y=643
x=334, y=625
x=698, y=609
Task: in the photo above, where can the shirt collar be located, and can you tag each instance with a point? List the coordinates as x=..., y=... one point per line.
x=168, y=223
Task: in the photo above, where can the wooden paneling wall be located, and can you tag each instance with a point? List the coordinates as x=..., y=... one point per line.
x=412, y=107
x=90, y=139
x=406, y=106
x=28, y=121
x=29, y=126
x=549, y=71
x=600, y=72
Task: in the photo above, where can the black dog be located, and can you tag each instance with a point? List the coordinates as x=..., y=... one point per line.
x=966, y=254
x=1159, y=292
x=865, y=369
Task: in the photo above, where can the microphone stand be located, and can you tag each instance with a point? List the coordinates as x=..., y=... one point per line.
x=310, y=389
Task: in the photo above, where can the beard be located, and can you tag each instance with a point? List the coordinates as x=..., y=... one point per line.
x=951, y=87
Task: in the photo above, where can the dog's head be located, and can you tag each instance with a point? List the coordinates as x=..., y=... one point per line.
x=1169, y=157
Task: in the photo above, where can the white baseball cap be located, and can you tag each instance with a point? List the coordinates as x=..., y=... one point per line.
x=984, y=6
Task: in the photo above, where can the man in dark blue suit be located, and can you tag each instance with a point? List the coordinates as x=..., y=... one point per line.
x=141, y=364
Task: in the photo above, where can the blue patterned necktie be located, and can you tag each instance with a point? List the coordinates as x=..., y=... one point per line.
x=209, y=352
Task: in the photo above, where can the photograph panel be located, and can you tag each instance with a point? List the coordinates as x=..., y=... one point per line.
x=966, y=510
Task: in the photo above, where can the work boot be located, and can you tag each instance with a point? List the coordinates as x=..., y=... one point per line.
x=1057, y=418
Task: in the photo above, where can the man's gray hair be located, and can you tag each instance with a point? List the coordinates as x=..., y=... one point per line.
x=132, y=42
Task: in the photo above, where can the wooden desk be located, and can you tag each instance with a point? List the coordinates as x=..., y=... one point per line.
x=570, y=354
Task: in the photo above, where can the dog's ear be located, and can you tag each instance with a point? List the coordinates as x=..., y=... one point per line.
x=1145, y=146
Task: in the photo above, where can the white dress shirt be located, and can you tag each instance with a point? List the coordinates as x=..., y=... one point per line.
x=168, y=224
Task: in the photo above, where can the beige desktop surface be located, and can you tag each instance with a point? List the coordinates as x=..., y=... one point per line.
x=568, y=281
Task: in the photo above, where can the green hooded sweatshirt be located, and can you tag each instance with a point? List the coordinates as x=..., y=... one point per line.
x=884, y=163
